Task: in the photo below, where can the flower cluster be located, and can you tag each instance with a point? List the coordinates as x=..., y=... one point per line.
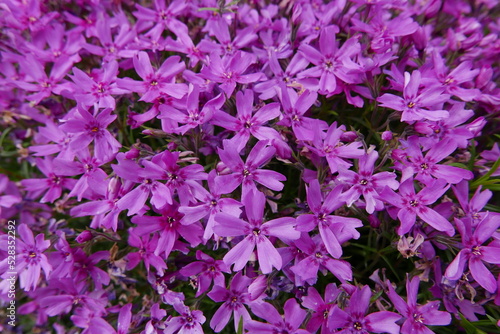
x=250, y=167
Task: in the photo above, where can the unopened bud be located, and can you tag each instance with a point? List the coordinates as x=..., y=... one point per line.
x=84, y=237
x=349, y=136
x=387, y=135
x=133, y=153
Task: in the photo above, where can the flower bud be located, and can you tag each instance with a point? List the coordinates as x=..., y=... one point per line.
x=349, y=136
x=133, y=153
x=374, y=221
x=84, y=237
x=387, y=135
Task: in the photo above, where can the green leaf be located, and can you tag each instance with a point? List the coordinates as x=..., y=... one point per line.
x=469, y=326
x=485, y=177
x=495, y=187
x=240, y=326
x=459, y=165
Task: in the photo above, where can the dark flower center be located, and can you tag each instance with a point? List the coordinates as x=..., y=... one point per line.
x=424, y=166
x=418, y=318
x=363, y=182
x=154, y=83
x=256, y=232
x=94, y=129
x=318, y=255
x=413, y=203
x=357, y=326
x=246, y=172
x=32, y=254
x=171, y=221
x=56, y=179
x=476, y=250
x=411, y=104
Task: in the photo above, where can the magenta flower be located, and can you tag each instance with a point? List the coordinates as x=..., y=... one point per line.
x=91, y=321
x=147, y=178
x=267, y=89
x=52, y=186
x=86, y=266
x=450, y=128
x=187, y=322
x=366, y=184
x=211, y=203
x=227, y=45
x=255, y=233
x=451, y=80
x=71, y=293
x=472, y=207
x=246, y=124
x=413, y=204
x=426, y=167
x=62, y=258
x=161, y=16
x=334, y=150
x=334, y=230
x=124, y=319
x=294, y=109
x=97, y=89
x=61, y=139
x=314, y=258
x=155, y=81
x=249, y=172
x=192, y=116
x=416, y=105
x=330, y=61
x=170, y=229
x=30, y=259
x=38, y=81
x=113, y=45
x=289, y=323
x=60, y=43
x=321, y=309
x=185, y=181
x=474, y=253
x=353, y=318
x=146, y=253
x=104, y=210
x=92, y=178
x=230, y=70
x=234, y=300
x=89, y=128
x=383, y=31
x=206, y=270
x=156, y=324
x=417, y=316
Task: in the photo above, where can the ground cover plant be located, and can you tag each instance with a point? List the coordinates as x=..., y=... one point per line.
x=249, y=167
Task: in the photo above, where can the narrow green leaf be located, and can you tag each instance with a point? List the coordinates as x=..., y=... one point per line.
x=240, y=326
x=492, y=170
